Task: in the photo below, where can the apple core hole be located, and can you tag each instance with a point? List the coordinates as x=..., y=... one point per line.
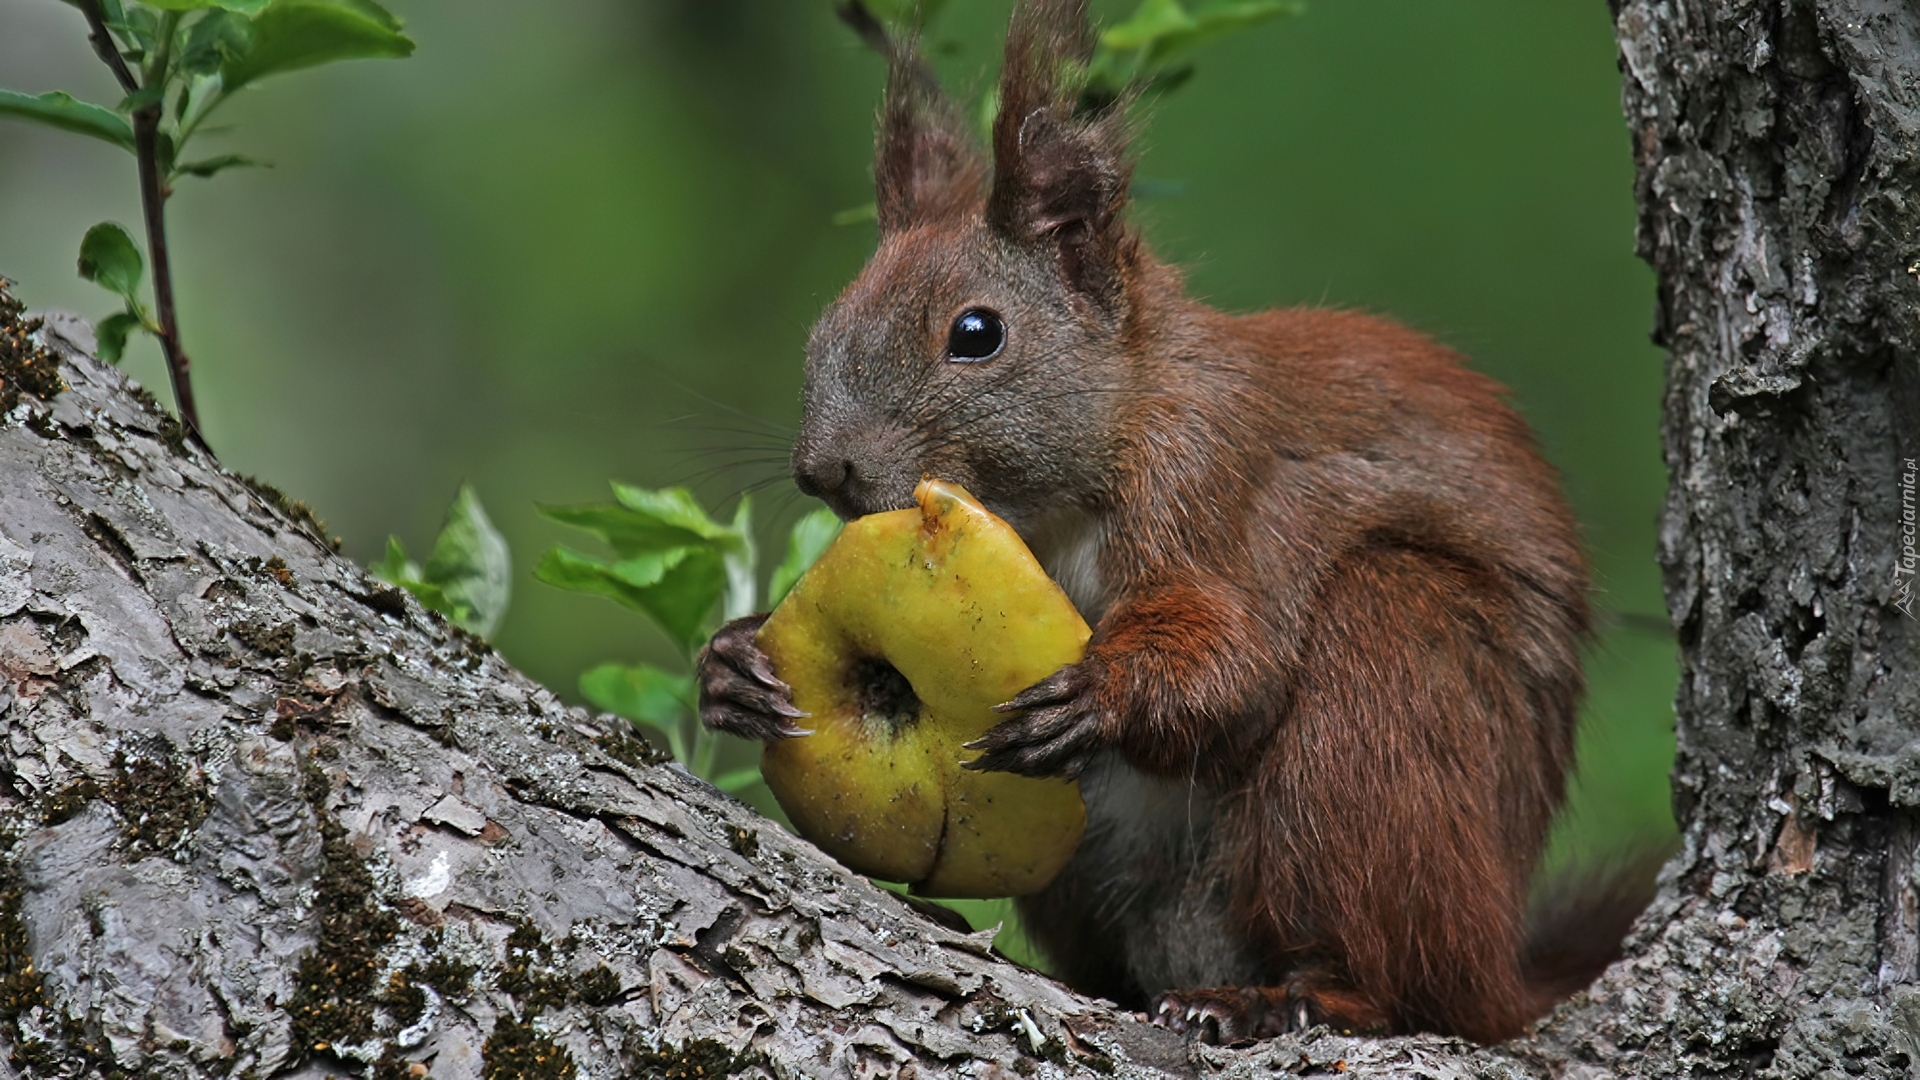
x=884, y=696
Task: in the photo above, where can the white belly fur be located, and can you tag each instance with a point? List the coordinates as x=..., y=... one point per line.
x=1147, y=852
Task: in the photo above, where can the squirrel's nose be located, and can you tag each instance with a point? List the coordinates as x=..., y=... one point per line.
x=821, y=475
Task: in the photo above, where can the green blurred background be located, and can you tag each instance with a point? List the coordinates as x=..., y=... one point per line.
x=577, y=240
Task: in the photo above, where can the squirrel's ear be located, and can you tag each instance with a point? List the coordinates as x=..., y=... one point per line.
x=925, y=167
x=1060, y=172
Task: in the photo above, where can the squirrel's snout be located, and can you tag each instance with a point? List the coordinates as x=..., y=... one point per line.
x=848, y=482
x=821, y=475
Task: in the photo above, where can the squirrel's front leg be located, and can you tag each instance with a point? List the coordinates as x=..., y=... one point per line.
x=1173, y=671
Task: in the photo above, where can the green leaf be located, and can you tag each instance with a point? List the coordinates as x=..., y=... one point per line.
x=434, y=597
x=810, y=537
x=675, y=507
x=213, y=165
x=216, y=39
x=642, y=693
x=248, y=7
x=1163, y=29
x=293, y=34
x=109, y=259
x=643, y=521
x=139, y=27
x=673, y=562
x=683, y=602
x=678, y=590
x=395, y=568
x=139, y=99
x=471, y=566
x=468, y=577
x=1228, y=16
x=1152, y=21
x=163, y=151
x=650, y=568
x=111, y=334
x=57, y=108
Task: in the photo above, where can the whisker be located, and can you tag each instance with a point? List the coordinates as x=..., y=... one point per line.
x=766, y=426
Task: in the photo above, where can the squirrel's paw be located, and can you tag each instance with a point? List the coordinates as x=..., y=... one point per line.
x=739, y=694
x=1225, y=1015
x=1061, y=729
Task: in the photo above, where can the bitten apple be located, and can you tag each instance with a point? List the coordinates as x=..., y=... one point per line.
x=899, y=641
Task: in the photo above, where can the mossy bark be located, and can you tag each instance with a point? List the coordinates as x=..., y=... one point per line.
x=268, y=817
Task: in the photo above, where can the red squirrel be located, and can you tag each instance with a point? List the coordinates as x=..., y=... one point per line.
x=1338, y=602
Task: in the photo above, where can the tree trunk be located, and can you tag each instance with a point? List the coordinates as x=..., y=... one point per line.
x=1776, y=148
x=268, y=817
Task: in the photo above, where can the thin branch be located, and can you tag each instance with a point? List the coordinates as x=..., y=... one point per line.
x=104, y=46
x=153, y=203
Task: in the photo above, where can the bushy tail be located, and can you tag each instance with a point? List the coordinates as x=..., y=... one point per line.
x=1577, y=920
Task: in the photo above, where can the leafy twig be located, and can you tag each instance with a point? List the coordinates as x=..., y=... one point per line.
x=153, y=199
x=194, y=54
x=680, y=568
x=469, y=576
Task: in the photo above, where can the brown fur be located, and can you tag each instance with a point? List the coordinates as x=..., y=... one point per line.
x=1328, y=709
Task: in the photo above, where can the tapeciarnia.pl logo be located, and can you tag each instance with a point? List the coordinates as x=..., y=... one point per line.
x=1904, y=563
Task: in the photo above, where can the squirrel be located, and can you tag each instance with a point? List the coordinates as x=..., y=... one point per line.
x=1328, y=709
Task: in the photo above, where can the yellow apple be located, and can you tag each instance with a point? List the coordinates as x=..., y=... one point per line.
x=899, y=641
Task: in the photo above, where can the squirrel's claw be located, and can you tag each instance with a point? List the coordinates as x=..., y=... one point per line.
x=739, y=693
x=748, y=725
x=1058, y=688
x=1227, y=1015
x=1061, y=730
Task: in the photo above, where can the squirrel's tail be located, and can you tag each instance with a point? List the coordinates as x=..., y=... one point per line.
x=1577, y=920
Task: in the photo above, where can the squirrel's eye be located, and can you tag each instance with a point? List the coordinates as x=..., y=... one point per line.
x=978, y=334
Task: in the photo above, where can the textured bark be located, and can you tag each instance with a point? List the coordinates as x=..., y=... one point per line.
x=1776, y=150
x=267, y=817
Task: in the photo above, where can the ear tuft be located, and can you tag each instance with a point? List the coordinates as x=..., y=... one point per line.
x=1060, y=172
x=925, y=169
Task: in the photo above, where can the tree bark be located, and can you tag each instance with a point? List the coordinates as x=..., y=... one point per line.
x=1776, y=153
x=265, y=816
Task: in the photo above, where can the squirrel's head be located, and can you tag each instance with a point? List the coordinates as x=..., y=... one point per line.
x=986, y=341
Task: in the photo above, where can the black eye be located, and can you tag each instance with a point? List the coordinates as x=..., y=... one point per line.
x=978, y=334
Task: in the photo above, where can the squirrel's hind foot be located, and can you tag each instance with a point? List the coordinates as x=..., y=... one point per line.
x=1227, y=1015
